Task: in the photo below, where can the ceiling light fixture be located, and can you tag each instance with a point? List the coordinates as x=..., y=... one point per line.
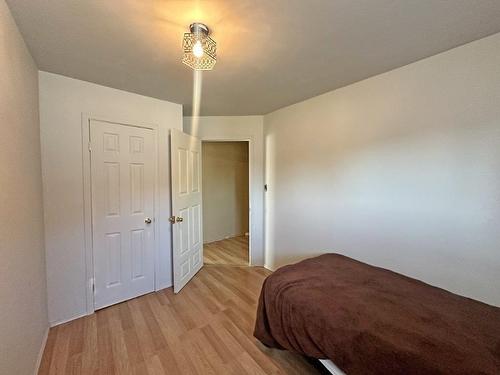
x=199, y=49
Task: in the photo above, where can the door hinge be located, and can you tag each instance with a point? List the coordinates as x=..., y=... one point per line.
x=90, y=147
x=92, y=285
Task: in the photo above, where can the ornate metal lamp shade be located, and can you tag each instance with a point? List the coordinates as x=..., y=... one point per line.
x=200, y=51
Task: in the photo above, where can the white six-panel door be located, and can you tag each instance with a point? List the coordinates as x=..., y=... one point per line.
x=122, y=178
x=186, y=207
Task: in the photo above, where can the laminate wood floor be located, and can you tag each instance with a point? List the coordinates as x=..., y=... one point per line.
x=232, y=251
x=205, y=329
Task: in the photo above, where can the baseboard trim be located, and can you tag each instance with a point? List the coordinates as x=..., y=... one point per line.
x=58, y=322
x=42, y=349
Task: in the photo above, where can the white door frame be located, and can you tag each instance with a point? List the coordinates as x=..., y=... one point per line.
x=251, y=193
x=87, y=201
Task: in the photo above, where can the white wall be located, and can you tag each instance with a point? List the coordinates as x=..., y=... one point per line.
x=23, y=296
x=225, y=190
x=237, y=128
x=62, y=102
x=401, y=170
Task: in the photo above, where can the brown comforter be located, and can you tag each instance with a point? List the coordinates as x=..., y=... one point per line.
x=369, y=320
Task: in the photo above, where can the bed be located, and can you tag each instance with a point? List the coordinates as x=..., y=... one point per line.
x=369, y=320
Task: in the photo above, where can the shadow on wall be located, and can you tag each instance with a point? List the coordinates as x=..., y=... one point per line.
x=401, y=170
x=414, y=181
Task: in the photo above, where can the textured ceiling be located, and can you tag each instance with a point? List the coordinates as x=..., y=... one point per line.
x=271, y=53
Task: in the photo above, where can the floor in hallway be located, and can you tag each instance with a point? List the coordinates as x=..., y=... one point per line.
x=231, y=251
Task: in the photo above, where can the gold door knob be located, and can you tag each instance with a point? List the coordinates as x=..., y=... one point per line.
x=175, y=219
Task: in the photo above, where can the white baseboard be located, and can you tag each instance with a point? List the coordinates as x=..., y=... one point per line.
x=42, y=349
x=62, y=321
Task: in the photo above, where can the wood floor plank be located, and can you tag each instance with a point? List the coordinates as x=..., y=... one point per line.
x=90, y=351
x=75, y=348
x=60, y=354
x=50, y=346
x=205, y=329
x=225, y=354
x=231, y=251
x=106, y=360
x=251, y=347
x=118, y=343
x=250, y=365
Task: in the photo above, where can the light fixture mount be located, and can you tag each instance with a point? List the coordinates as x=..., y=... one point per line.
x=198, y=27
x=200, y=51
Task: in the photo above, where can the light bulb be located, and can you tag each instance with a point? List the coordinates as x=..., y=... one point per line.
x=198, y=49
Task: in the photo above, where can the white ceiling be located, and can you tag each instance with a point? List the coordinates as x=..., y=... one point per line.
x=271, y=53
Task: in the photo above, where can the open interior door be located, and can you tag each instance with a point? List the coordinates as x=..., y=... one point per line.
x=186, y=216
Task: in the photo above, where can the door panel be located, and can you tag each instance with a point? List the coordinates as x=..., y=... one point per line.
x=186, y=205
x=137, y=188
x=122, y=177
x=195, y=225
x=113, y=259
x=137, y=241
x=195, y=173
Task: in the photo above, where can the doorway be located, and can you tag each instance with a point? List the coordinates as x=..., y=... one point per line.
x=225, y=181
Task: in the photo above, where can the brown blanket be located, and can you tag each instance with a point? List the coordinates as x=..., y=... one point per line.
x=369, y=320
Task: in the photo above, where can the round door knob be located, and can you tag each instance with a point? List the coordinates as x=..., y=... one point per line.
x=179, y=219
x=147, y=220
